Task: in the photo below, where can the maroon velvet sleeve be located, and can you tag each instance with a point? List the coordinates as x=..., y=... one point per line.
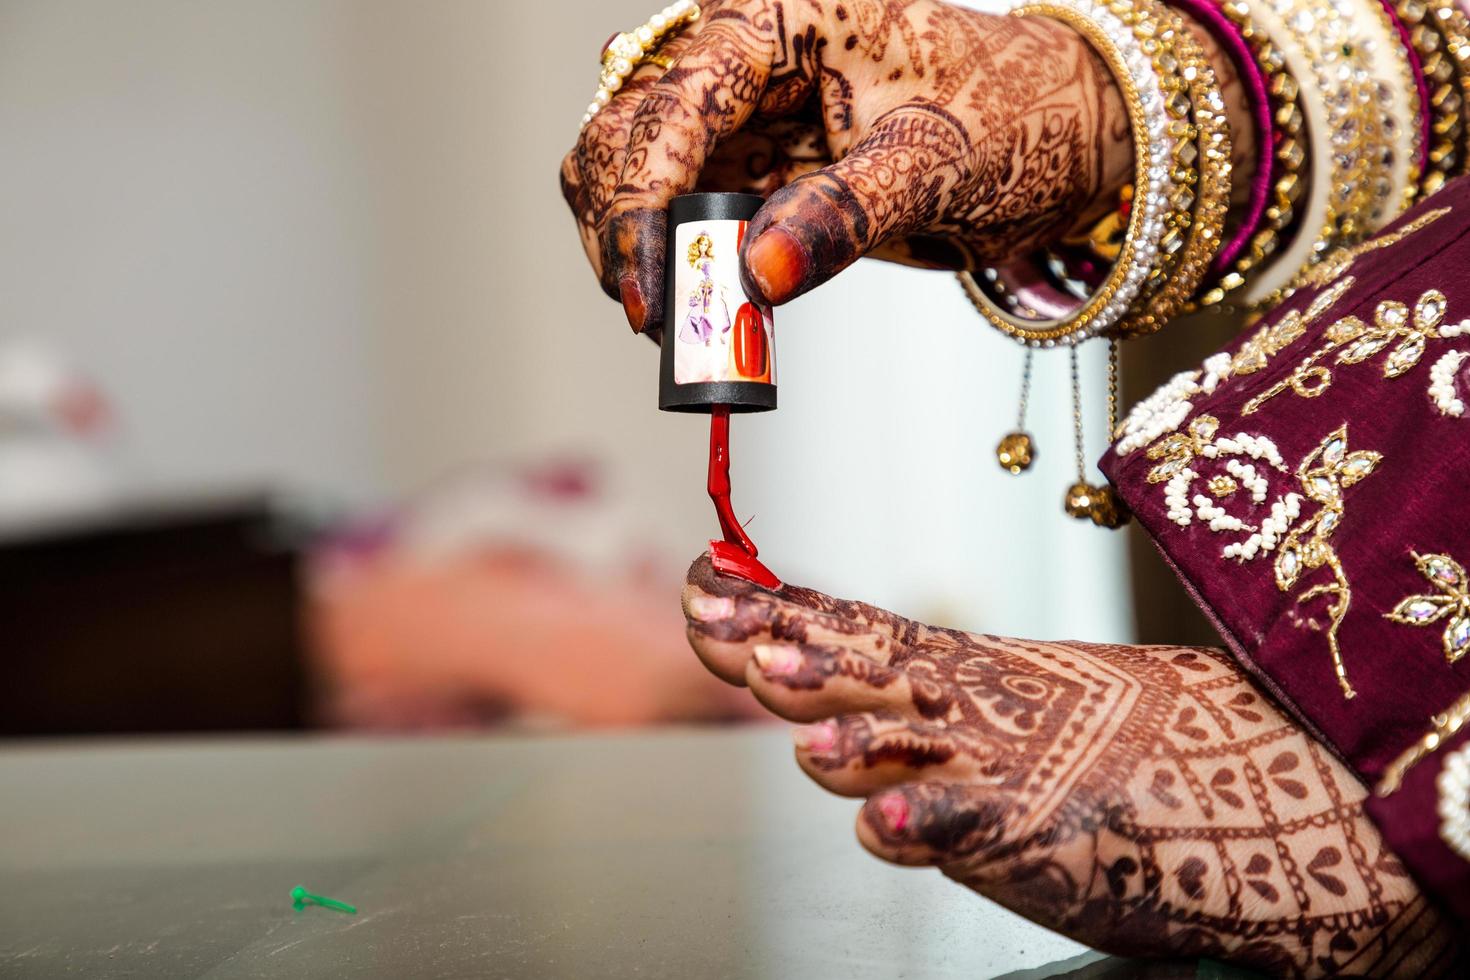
x=1427, y=821
x=1310, y=484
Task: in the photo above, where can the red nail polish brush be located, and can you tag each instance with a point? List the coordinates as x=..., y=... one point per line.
x=718, y=349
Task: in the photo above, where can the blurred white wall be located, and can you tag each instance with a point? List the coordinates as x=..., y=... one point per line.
x=320, y=245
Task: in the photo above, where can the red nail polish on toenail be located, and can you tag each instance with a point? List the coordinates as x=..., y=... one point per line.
x=815, y=738
x=779, y=660
x=711, y=608
x=895, y=810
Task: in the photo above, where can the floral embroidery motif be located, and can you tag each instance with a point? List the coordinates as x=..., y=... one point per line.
x=1451, y=598
x=1341, y=260
x=1358, y=342
x=1179, y=452
x=1170, y=405
x=1273, y=338
x=1326, y=472
x=1454, y=801
x=1301, y=548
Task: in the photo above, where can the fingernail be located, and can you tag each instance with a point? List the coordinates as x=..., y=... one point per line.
x=778, y=660
x=710, y=609
x=815, y=738
x=778, y=263
x=633, y=305
x=895, y=811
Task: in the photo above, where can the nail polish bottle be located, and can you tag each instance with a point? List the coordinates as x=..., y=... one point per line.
x=718, y=346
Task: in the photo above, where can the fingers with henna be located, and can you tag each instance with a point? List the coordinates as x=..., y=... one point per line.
x=896, y=179
x=707, y=94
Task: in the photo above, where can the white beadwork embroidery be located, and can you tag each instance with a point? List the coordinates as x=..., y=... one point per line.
x=1442, y=389
x=1454, y=801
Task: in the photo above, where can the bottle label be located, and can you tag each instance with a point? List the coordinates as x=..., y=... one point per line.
x=719, y=335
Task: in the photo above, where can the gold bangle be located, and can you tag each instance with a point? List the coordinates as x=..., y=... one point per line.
x=631, y=49
x=1114, y=41
x=1288, y=181
x=1437, y=30
x=1197, y=238
x=1183, y=160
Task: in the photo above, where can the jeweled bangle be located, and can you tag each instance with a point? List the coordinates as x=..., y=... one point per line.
x=1340, y=50
x=1436, y=29
x=1350, y=187
x=1420, y=83
x=1283, y=177
x=1253, y=76
x=1188, y=248
x=1398, y=88
x=1156, y=24
x=1139, y=76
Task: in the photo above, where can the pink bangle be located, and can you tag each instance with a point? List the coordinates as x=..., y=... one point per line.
x=1228, y=37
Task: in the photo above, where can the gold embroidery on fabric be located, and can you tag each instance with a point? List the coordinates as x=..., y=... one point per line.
x=1451, y=598
x=1341, y=260
x=1323, y=475
x=1326, y=472
x=1270, y=340
x=1442, y=727
x=1358, y=341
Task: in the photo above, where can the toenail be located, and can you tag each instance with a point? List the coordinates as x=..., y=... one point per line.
x=780, y=660
x=895, y=811
x=711, y=608
x=815, y=738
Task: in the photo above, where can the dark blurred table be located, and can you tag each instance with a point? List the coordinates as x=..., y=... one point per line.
x=680, y=854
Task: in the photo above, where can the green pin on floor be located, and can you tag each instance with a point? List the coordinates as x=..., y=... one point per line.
x=301, y=898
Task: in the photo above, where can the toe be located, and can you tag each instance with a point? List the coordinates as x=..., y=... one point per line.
x=860, y=754
x=811, y=681
x=931, y=823
x=728, y=616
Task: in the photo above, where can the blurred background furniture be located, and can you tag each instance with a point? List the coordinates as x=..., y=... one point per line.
x=156, y=618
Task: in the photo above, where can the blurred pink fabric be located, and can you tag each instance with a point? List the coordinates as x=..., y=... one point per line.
x=510, y=597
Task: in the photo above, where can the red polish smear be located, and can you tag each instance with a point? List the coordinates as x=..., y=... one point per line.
x=735, y=555
x=728, y=559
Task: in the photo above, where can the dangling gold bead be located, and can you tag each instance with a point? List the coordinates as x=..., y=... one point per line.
x=1015, y=452
x=1079, y=500
x=1107, y=510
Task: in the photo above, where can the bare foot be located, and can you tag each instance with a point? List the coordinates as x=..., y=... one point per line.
x=1147, y=801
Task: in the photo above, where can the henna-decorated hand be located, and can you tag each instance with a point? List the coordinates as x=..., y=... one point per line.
x=947, y=135
x=1147, y=801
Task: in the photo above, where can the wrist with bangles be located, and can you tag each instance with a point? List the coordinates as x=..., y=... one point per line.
x=1355, y=108
x=1336, y=159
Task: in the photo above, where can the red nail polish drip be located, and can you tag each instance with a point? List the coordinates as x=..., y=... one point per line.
x=736, y=554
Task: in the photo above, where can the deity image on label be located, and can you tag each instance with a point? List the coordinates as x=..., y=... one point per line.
x=719, y=335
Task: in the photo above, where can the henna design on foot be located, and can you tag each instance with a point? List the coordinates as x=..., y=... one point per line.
x=1148, y=801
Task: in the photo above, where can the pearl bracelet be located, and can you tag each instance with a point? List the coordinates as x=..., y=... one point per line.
x=630, y=49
